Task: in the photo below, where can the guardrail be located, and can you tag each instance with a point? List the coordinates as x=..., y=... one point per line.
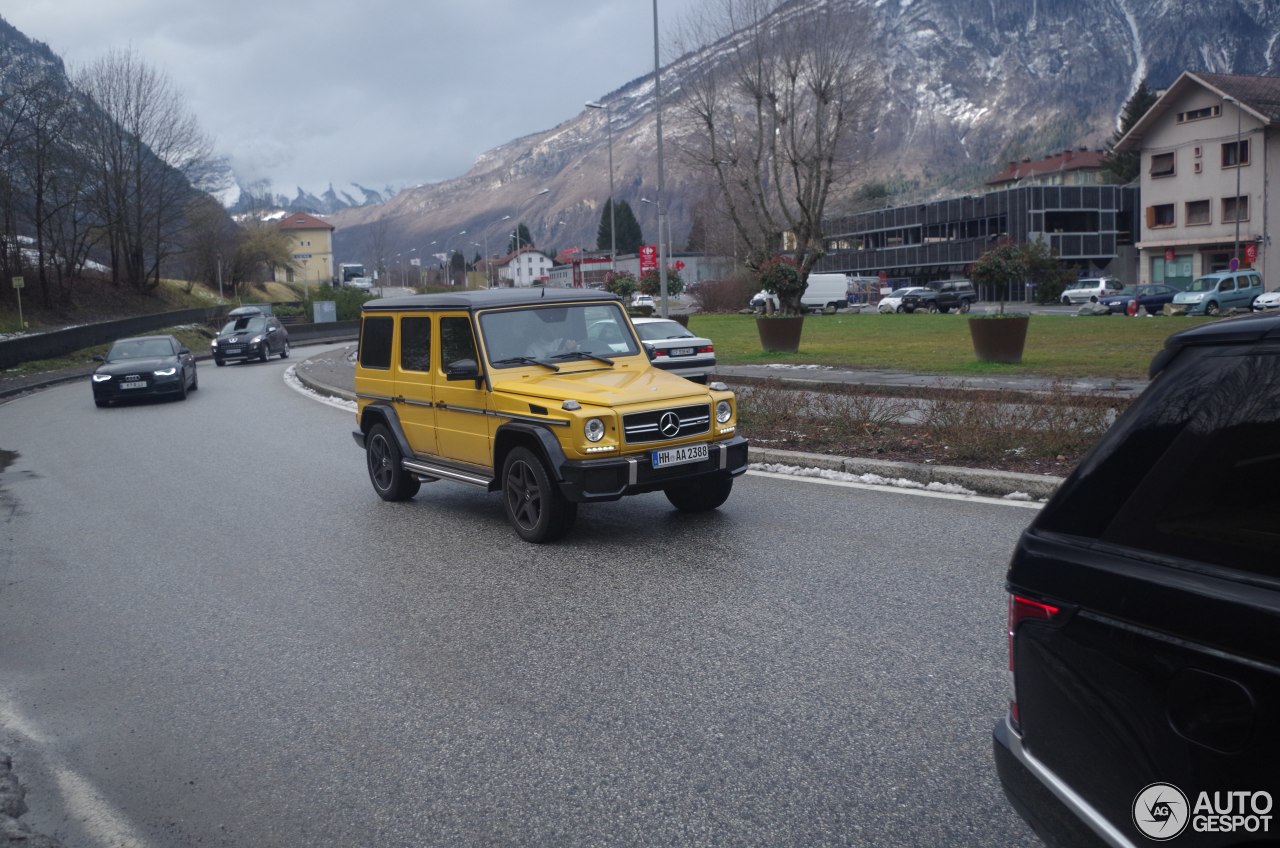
x=61, y=342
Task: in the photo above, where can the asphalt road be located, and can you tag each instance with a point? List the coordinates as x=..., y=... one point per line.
x=213, y=633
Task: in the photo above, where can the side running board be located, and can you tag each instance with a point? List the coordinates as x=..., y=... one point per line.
x=434, y=472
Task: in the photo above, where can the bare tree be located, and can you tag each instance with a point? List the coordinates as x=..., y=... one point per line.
x=146, y=148
x=781, y=118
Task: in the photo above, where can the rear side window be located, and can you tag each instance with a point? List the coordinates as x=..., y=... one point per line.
x=415, y=344
x=1194, y=474
x=375, y=342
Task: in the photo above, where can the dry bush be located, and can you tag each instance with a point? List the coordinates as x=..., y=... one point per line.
x=729, y=295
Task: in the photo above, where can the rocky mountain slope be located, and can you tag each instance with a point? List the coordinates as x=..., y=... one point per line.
x=969, y=85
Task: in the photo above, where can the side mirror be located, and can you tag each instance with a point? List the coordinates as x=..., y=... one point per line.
x=462, y=369
x=648, y=351
x=184, y=351
x=97, y=357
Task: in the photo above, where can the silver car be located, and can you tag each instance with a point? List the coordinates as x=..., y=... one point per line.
x=672, y=347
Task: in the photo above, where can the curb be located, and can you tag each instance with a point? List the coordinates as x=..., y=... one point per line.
x=985, y=482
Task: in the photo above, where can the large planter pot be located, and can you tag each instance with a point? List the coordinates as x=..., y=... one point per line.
x=780, y=335
x=999, y=339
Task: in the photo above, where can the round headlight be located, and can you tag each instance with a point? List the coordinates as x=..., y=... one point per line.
x=593, y=429
x=724, y=411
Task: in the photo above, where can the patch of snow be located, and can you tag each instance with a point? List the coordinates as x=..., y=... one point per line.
x=868, y=479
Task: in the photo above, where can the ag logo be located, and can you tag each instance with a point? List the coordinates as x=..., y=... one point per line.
x=1160, y=811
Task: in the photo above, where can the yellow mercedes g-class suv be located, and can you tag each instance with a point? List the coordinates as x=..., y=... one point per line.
x=544, y=395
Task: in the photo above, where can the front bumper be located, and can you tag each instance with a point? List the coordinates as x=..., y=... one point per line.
x=583, y=481
x=242, y=351
x=110, y=390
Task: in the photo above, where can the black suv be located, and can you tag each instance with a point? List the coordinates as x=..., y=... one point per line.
x=942, y=297
x=250, y=334
x=1144, y=610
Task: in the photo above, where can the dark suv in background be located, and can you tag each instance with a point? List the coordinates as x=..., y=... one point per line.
x=1144, y=614
x=250, y=334
x=942, y=297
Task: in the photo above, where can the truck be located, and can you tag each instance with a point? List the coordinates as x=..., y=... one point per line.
x=826, y=292
x=349, y=271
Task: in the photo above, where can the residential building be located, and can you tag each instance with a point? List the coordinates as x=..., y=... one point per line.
x=311, y=249
x=1081, y=166
x=524, y=268
x=1208, y=147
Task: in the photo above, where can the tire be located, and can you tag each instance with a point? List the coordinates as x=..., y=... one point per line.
x=219, y=362
x=899, y=310
x=933, y=309
x=1066, y=301
x=284, y=354
x=1211, y=308
x=195, y=379
x=1093, y=298
x=264, y=353
x=965, y=306
x=944, y=309
x=382, y=456
x=182, y=387
x=701, y=495
x=534, y=506
x=829, y=309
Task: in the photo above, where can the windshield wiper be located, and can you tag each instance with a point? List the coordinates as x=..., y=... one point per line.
x=526, y=360
x=583, y=354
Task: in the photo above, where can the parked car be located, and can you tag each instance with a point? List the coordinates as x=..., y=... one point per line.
x=642, y=300
x=1150, y=296
x=892, y=302
x=523, y=393
x=1143, y=601
x=1090, y=289
x=1268, y=300
x=144, y=366
x=673, y=347
x=250, y=334
x=1214, y=293
x=948, y=294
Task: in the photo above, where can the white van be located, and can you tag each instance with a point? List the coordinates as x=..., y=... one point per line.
x=826, y=292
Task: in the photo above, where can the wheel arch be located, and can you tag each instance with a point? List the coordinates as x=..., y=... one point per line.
x=382, y=413
x=540, y=440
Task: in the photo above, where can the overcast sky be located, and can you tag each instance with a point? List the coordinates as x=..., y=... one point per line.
x=375, y=92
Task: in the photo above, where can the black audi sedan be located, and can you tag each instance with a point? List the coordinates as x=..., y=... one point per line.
x=144, y=366
x=250, y=334
x=1143, y=610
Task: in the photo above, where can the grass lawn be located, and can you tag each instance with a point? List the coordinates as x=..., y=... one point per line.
x=1065, y=346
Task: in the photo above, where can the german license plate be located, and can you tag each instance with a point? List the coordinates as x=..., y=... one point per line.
x=679, y=456
x=232, y=350
x=681, y=351
x=138, y=384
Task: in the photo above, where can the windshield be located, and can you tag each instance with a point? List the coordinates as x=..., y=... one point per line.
x=245, y=324
x=139, y=349
x=652, y=331
x=900, y=292
x=1203, y=284
x=514, y=337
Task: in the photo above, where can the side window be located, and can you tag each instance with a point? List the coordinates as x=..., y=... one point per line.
x=456, y=340
x=415, y=344
x=1227, y=284
x=375, y=342
x=1192, y=475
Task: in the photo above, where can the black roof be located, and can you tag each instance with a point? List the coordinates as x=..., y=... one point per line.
x=1242, y=329
x=486, y=299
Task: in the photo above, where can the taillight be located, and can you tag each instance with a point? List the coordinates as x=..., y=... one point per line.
x=1022, y=609
x=707, y=349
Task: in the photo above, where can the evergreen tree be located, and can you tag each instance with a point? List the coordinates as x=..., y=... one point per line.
x=525, y=239
x=1124, y=167
x=629, y=235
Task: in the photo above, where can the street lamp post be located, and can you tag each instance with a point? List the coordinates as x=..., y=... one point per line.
x=613, y=229
x=516, y=270
x=448, y=266
x=1229, y=99
x=657, y=107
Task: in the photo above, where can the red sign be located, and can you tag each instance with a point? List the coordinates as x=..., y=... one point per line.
x=648, y=258
x=1251, y=253
x=679, y=265
x=1169, y=255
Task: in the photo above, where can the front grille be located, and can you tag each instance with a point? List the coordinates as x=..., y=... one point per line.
x=679, y=422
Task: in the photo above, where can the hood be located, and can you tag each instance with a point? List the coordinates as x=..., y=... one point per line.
x=613, y=387
x=136, y=366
